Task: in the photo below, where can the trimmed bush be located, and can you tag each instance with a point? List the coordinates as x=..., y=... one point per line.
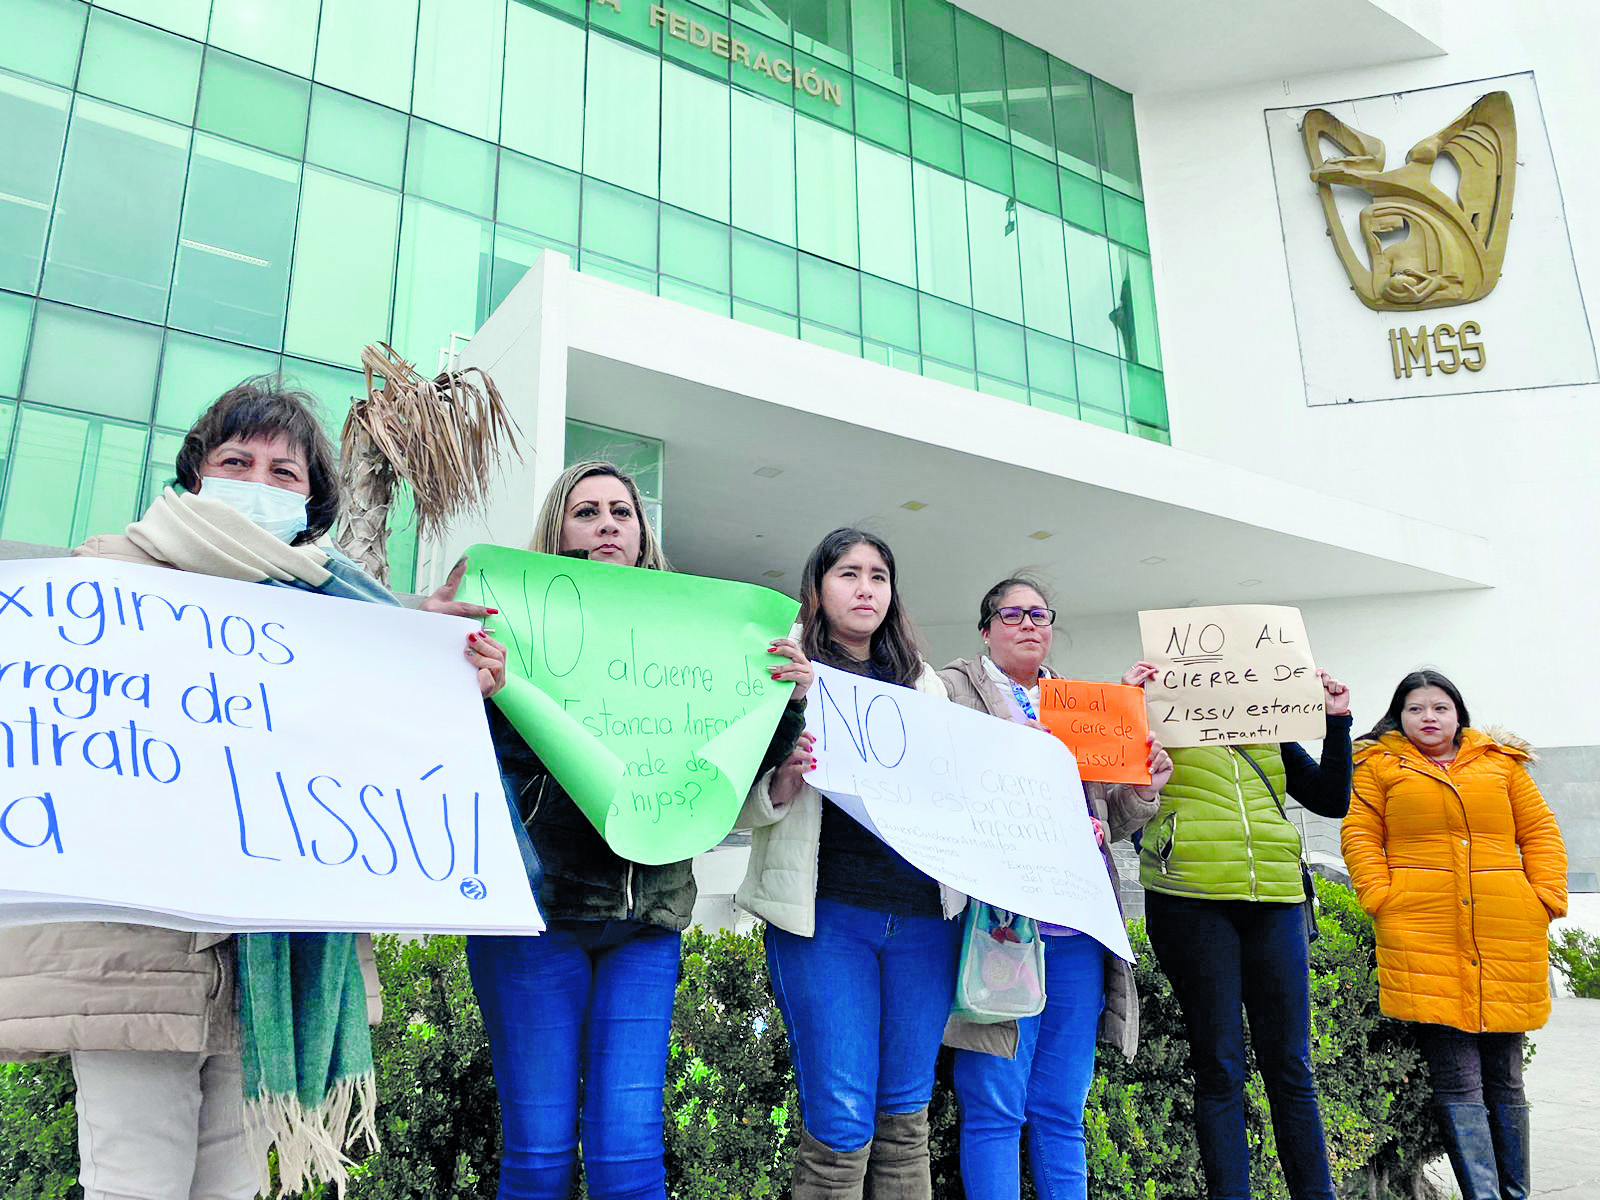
x=1576, y=955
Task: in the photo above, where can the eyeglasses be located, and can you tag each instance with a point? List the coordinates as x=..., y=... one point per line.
x=1013, y=616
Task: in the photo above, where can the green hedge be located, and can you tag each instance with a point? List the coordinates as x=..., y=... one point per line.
x=732, y=1116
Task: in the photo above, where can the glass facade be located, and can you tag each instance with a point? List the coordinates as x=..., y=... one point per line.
x=196, y=190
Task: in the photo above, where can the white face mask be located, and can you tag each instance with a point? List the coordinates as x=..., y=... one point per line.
x=280, y=512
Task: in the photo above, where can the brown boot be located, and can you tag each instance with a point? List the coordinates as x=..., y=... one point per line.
x=824, y=1174
x=898, y=1168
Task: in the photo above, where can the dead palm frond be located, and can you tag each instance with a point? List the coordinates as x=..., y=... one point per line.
x=442, y=437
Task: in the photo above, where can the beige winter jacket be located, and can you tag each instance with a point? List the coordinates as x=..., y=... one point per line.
x=780, y=884
x=1121, y=810
x=99, y=985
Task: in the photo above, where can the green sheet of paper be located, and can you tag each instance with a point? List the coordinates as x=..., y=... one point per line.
x=648, y=694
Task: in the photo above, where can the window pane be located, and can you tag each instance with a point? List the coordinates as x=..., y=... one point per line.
x=16, y=318
x=255, y=104
x=70, y=477
x=343, y=259
x=621, y=228
x=93, y=363
x=1073, y=105
x=763, y=167
x=543, y=109
x=629, y=21
x=195, y=371
x=443, y=284
x=187, y=17
x=35, y=120
x=451, y=168
x=280, y=33
x=1147, y=397
x=941, y=231
x=830, y=295
x=936, y=139
x=1089, y=286
x=694, y=143
x=981, y=59
x=621, y=135
x=1135, y=314
x=357, y=137
x=159, y=472
x=752, y=68
x=883, y=117
x=129, y=63
x=514, y=253
x=1125, y=221
x=996, y=276
x=332, y=388
x=988, y=160
x=8, y=420
x=888, y=241
x=538, y=197
x=825, y=167
x=116, y=221
x=877, y=42
x=367, y=47
x=42, y=38
x=771, y=17
x=1036, y=181
x=890, y=324
x=694, y=249
x=946, y=332
x=690, y=38
x=460, y=49
x=833, y=101
x=232, y=279
x=765, y=274
x=931, y=60
x=822, y=28
x=1100, y=387
x=1000, y=350
x=1028, y=98
x=1052, y=377
x=1119, y=145
x=1044, y=273
x=1082, y=201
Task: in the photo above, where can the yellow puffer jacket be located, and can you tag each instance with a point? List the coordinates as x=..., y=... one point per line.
x=1462, y=869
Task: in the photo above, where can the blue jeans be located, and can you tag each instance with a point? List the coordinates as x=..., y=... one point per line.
x=1044, y=1087
x=1219, y=954
x=577, y=1021
x=865, y=1002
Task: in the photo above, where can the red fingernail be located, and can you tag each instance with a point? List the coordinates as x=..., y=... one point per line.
x=493, y=612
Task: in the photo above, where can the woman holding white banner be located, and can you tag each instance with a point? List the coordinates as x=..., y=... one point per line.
x=164, y=1056
x=860, y=944
x=578, y=1019
x=1036, y=1072
x=1229, y=918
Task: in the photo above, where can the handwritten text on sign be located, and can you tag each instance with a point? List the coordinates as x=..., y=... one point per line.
x=207, y=754
x=1103, y=724
x=1231, y=673
x=990, y=808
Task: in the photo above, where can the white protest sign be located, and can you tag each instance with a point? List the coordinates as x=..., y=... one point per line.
x=1230, y=673
x=993, y=809
x=202, y=754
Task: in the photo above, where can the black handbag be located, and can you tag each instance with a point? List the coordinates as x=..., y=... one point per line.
x=1312, y=905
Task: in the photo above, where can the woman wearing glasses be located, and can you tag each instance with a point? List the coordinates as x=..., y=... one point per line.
x=1036, y=1071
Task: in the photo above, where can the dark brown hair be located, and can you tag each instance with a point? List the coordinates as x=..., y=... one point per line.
x=990, y=604
x=1390, y=720
x=894, y=642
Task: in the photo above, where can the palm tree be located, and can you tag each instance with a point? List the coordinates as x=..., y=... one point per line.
x=440, y=437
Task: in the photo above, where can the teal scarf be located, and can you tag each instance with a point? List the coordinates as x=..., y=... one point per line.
x=309, y=1086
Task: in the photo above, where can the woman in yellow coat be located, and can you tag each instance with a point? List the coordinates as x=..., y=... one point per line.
x=1460, y=862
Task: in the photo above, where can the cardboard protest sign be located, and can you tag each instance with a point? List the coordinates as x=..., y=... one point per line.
x=1103, y=724
x=648, y=694
x=985, y=806
x=1231, y=673
x=210, y=755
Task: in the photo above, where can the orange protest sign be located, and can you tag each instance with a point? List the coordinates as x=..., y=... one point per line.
x=1103, y=724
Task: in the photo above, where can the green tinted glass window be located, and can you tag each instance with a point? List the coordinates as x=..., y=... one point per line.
x=368, y=47
x=71, y=476
x=936, y=139
x=940, y=221
x=1100, y=387
x=460, y=49
x=280, y=33
x=619, y=226
x=763, y=167
x=1119, y=143
x=196, y=370
x=628, y=21
x=770, y=17
x=690, y=39
x=542, y=110
x=988, y=160
x=43, y=38
x=887, y=236
x=188, y=17
x=1089, y=288
x=825, y=169
x=981, y=59
x=343, y=264
x=621, y=116
x=992, y=234
x=516, y=251
x=159, y=467
x=1050, y=370
x=333, y=390
x=1036, y=181
x=1125, y=221
x=255, y=104
x=889, y=323
x=1028, y=98
x=1147, y=396
x=232, y=276
x=92, y=363
x=1082, y=201
x=822, y=28
x=1044, y=272
x=695, y=147
x=1000, y=350
x=442, y=286
x=883, y=117
x=34, y=117
x=451, y=168
x=8, y=422
x=765, y=273
x=830, y=295
x=111, y=247
x=823, y=91
x=356, y=137
x=877, y=42
x=144, y=68
x=694, y=249
x=1073, y=105
x=1135, y=314
x=753, y=65
x=931, y=54
x=538, y=197
x=946, y=331
x=16, y=319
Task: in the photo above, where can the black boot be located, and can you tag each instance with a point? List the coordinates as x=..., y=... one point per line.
x=1508, y=1124
x=1471, y=1148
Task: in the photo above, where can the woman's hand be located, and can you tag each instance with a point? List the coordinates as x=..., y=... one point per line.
x=1160, y=764
x=797, y=670
x=791, y=773
x=444, y=599
x=1140, y=674
x=1335, y=696
x=489, y=656
x=1099, y=830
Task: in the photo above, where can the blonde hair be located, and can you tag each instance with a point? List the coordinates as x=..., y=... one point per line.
x=547, y=529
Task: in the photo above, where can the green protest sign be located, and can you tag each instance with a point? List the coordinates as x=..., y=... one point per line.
x=648, y=694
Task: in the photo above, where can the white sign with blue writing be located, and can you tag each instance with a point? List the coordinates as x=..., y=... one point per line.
x=202, y=754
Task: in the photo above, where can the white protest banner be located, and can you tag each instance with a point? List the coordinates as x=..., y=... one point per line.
x=202, y=754
x=1230, y=673
x=993, y=809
